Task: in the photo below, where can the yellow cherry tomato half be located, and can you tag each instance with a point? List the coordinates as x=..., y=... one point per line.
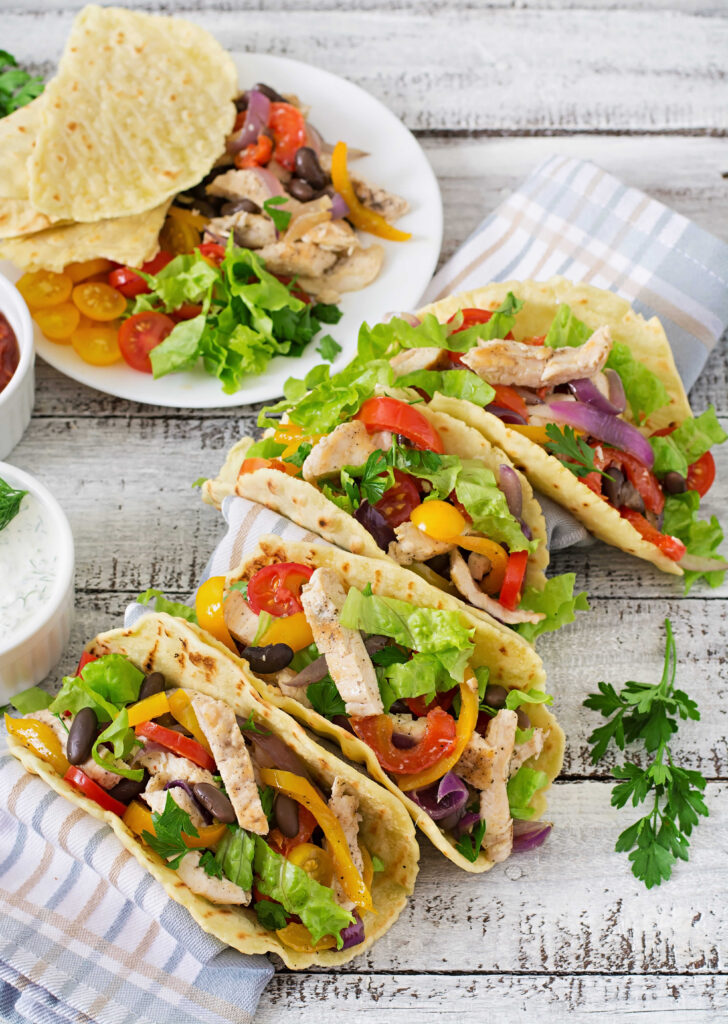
x=43, y=288
x=58, y=322
x=99, y=301
x=95, y=343
x=438, y=520
x=208, y=605
x=293, y=630
x=88, y=268
x=316, y=862
x=297, y=936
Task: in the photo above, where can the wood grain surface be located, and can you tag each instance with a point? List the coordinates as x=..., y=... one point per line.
x=491, y=87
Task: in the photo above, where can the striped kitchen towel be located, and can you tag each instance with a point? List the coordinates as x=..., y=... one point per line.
x=571, y=218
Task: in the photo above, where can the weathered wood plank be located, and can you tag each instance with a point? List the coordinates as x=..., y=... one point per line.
x=474, y=998
x=470, y=71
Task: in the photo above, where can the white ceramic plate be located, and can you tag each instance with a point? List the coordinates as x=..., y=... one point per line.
x=340, y=110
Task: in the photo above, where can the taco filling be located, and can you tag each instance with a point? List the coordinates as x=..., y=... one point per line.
x=225, y=803
x=405, y=681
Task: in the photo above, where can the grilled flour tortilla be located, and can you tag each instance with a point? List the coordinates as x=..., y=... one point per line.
x=218, y=688
x=614, y=324
x=499, y=773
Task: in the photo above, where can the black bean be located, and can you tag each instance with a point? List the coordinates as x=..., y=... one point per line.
x=81, y=736
x=271, y=658
x=612, y=483
x=286, y=815
x=247, y=205
x=214, y=801
x=524, y=722
x=241, y=102
x=273, y=96
x=128, y=789
x=308, y=167
x=153, y=683
x=495, y=696
x=301, y=190
x=675, y=483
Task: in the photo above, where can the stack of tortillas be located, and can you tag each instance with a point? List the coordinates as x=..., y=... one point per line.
x=138, y=112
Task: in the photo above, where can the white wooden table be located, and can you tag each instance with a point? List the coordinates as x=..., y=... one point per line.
x=490, y=88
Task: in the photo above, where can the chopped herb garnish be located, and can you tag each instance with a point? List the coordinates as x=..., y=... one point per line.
x=169, y=826
x=10, y=498
x=281, y=218
x=329, y=348
x=17, y=87
x=469, y=845
x=572, y=450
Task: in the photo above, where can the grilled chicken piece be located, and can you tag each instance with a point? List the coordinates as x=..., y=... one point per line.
x=163, y=768
x=349, y=274
x=218, y=723
x=532, y=366
x=349, y=444
x=216, y=890
x=302, y=259
x=345, y=805
x=242, y=184
x=103, y=778
x=346, y=656
x=412, y=545
x=335, y=236
x=413, y=359
x=250, y=230
x=240, y=619
x=485, y=766
x=531, y=748
x=460, y=576
x=478, y=565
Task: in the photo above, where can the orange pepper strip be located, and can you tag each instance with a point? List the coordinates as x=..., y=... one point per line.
x=39, y=738
x=293, y=630
x=464, y=730
x=149, y=708
x=180, y=706
x=138, y=819
x=358, y=214
x=300, y=789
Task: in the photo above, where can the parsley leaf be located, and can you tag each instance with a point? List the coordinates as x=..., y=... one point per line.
x=325, y=698
x=375, y=477
x=648, y=713
x=209, y=864
x=570, y=449
x=250, y=726
x=267, y=798
x=271, y=915
x=281, y=218
x=377, y=864
x=300, y=455
x=469, y=845
x=328, y=348
x=10, y=498
x=168, y=827
x=17, y=87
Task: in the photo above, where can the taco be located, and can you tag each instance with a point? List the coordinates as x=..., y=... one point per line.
x=392, y=477
x=408, y=683
x=271, y=843
x=584, y=396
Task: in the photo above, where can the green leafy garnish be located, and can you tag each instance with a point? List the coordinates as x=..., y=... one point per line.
x=32, y=699
x=210, y=865
x=325, y=698
x=161, y=604
x=250, y=726
x=701, y=537
x=266, y=448
x=239, y=585
x=106, y=685
x=264, y=621
x=10, y=498
x=516, y=698
x=168, y=827
x=557, y=601
x=644, y=390
x=235, y=856
x=521, y=789
x=462, y=384
x=694, y=437
x=377, y=864
x=300, y=455
x=469, y=844
x=571, y=450
x=17, y=87
x=648, y=713
x=271, y=915
x=267, y=796
x=199, y=482
x=123, y=741
x=281, y=218
x=567, y=330
x=328, y=348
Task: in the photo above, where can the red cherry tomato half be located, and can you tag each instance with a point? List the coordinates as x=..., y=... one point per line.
x=420, y=708
x=289, y=131
x=129, y=283
x=177, y=743
x=140, y=334
x=81, y=781
x=187, y=312
x=392, y=414
x=438, y=740
x=397, y=503
x=510, y=593
x=670, y=546
x=508, y=398
x=213, y=252
x=276, y=589
x=86, y=658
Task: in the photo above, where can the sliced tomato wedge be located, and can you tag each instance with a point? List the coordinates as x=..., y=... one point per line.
x=306, y=825
x=420, y=708
x=257, y=154
x=140, y=334
x=86, y=658
x=187, y=312
x=212, y=251
x=510, y=593
x=508, y=398
x=670, y=546
x=437, y=741
x=185, y=746
x=642, y=479
x=276, y=589
x=471, y=317
x=397, y=503
x=289, y=131
x=130, y=283
x=399, y=417
x=81, y=781
x=701, y=473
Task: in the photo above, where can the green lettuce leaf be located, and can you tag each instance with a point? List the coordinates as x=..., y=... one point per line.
x=422, y=675
x=104, y=685
x=701, y=537
x=567, y=330
x=271, y=915
x=266, y=448
x=521, y=790
x=32, y=699
x=161, y=604
x=557, y=601
x=180, y=350
x=644, y=390
x=186, y=279
x=235, y=856
x=299, y=894
x=486, y=504
x=462, y=384
x=123, y=741
x=693, y=438
x=516, y=698
x=499, y=325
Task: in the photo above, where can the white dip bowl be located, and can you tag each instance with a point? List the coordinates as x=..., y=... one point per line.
x=36, y=586
x=18, y=397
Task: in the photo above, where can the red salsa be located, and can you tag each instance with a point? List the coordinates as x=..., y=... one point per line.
x=9, y=352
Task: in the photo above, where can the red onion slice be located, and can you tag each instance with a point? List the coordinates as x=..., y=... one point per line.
x=339, y=207
x=353, y=934
x=527, y=835
x=256, y=119
x=616, y=390
x=278, y=753
x=269, y=181
x=604, y=427
x=375, y=523
x=511, y=487
x=467, y=821
x=587, y=391
x=452, y=801
x=506, y=415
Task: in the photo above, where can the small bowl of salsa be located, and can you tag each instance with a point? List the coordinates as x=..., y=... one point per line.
x=17, y=363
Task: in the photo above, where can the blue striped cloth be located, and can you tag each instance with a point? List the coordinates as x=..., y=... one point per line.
x=571, y=218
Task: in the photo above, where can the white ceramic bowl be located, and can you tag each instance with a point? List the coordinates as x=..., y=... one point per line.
x=36, y=646
x=17, y=399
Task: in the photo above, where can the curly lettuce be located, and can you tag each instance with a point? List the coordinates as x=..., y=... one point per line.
x=557, y=601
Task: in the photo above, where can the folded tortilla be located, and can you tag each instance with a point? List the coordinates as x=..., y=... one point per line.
x=512, y=663
x=189, y=657
x=649, y=345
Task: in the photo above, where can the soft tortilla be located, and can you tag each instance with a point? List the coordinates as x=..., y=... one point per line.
x=512, y=662
x=309, y=508
x=649, y=344
x=17, y=135
x=138, y=111
x=191, y=658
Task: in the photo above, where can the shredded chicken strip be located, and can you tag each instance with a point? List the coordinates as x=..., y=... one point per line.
x=461, y=577
x=485, y=764
x=350, y=444
x=345, y=804
x=412, y=359
x=216, y=890
x=412, y=545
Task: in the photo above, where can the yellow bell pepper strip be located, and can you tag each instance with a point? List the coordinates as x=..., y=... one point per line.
x=442, y=521
x=208, y=606
x=292, y=435
x=363, y=218
x=180, y=707
x=39, y=738
x=293, y=630
x=138, y=819
x=464, y=730
x=368, y=866
x=297, y=936
x=147, y=709
x=300, y=789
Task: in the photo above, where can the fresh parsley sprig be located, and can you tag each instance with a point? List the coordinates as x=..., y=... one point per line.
x=571, y=449
x=10, y=500
x=469, y=844
x=647, y=713
x=17, y=87
x=281, y=218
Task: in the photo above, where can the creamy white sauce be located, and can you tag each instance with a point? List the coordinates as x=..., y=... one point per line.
x=28, y=566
